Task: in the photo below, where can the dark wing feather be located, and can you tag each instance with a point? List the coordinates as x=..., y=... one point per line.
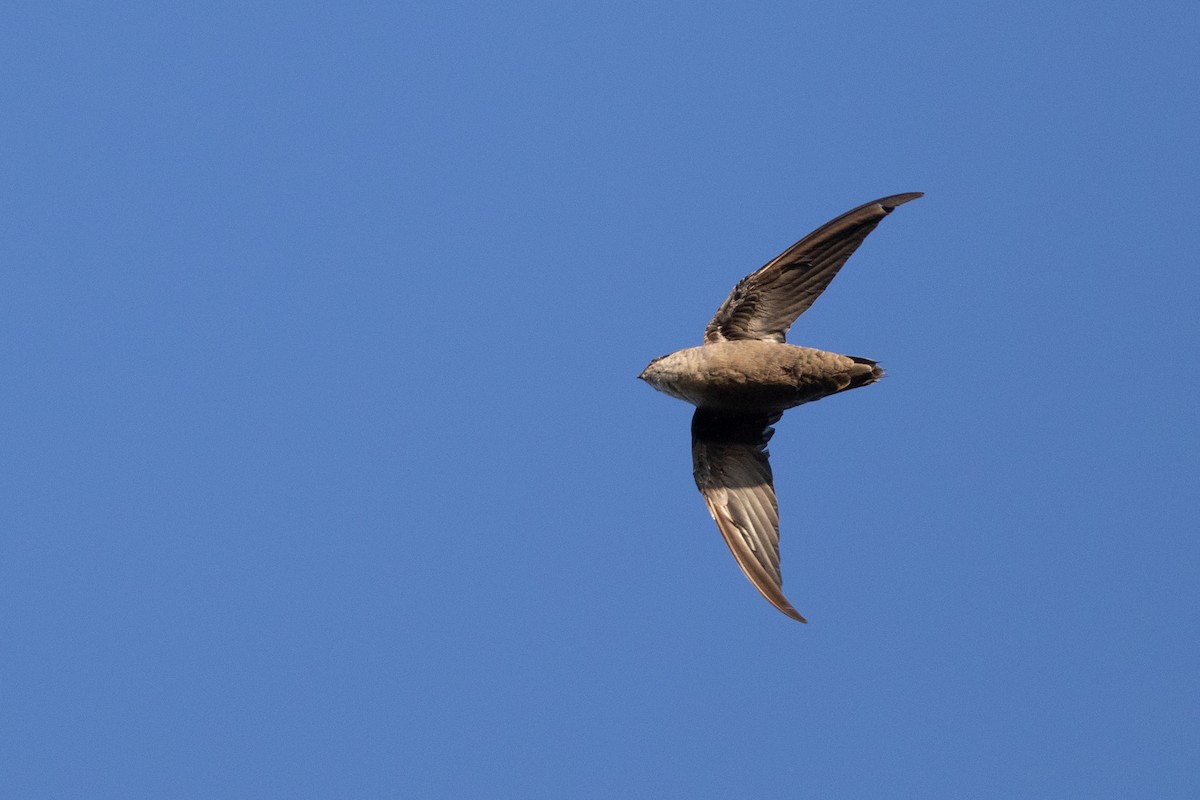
x=730, y=461
x=765, y=303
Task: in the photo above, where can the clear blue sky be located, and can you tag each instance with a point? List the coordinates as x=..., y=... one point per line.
x=327, y=474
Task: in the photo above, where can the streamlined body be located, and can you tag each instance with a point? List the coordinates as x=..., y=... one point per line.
x=745, y=375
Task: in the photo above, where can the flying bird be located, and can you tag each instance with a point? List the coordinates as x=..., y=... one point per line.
x=745, y=376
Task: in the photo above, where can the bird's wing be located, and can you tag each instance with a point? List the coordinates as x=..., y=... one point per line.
x=765, y=303
x=730, y=463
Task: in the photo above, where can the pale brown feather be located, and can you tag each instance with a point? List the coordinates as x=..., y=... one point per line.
x=733, y=472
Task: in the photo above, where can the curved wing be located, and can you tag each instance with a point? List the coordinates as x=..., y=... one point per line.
x=765, y=303
x=730, y=461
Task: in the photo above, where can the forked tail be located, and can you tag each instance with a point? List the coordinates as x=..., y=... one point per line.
x=863, y=372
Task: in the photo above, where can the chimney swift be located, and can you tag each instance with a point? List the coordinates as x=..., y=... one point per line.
x=745, y=376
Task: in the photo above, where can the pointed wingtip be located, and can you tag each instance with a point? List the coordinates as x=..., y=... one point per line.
x=774, y=596
x=890, y=202
x=793, y=613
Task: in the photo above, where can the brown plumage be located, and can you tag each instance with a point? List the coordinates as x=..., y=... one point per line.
x=745, y=376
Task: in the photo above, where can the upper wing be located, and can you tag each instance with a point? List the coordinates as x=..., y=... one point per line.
x=729, y=457
x=765, y=303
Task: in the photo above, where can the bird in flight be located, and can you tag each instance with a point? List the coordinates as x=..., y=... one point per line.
x=745, y=376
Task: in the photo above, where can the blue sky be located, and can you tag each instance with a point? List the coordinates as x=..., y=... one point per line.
x=327, y=473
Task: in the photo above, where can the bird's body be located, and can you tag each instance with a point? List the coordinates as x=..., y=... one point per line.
x=755, y=375
x=745, y=376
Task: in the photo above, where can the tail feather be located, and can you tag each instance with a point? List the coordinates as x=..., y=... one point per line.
x=865, y=371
